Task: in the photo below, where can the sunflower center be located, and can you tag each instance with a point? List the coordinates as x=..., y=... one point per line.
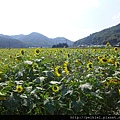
x=19, y=89
x=59, y=71
x=90, y=65
x=37, y=51
x=104, y=60
x=55, y=88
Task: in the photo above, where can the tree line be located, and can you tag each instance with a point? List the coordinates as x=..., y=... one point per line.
x=60, y=45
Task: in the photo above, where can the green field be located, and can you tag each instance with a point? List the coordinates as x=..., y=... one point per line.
x=64, y=81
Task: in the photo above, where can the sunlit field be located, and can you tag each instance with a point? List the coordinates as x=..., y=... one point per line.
x=60, y=81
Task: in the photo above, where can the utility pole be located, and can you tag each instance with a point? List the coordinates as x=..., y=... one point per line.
x=56, y=41
x=66, y=41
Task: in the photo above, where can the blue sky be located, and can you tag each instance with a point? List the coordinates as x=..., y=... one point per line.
x=73, y=19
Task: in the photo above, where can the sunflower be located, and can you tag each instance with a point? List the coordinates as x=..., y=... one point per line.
x=37, y=51
x=10, y=56
x=35, y=66
x=22, y=52
x=78, y=61
x=67, y=55
x=55, y=88
x=103, y=71
x=93, y=50
x=65, y=64
x=2, y=98
x=1, y=72
x=114, y=81
x=90, y=65
x=115, y=48
x=99, y=57
x=66, y=68
x=119, y=91
x=19, y=88
x=116, y=64
x=104, y=60
x=107, y=44
x=18, y=57
x=111, y=60
x=106, y=83
x=58, y=70
x=72, y=81
x=105, y=56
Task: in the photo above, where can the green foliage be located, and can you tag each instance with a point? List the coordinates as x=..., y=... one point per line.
x=60, y=45
x=111, y=35
x=30, y=85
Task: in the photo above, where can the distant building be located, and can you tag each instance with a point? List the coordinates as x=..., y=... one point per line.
x=117, y=45
x=91, y=45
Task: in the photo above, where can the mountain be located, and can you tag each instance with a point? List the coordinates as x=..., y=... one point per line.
x=8, y=42
x=35, y=39
x=111, y=35
x=17, y=36
x=58, y=40
x=6, y=36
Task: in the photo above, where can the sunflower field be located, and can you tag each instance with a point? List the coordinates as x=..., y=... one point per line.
x=60, y=81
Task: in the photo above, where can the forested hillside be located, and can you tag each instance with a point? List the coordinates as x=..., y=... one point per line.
x=111, y=35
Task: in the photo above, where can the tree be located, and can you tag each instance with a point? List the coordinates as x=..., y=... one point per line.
x=60, y=45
